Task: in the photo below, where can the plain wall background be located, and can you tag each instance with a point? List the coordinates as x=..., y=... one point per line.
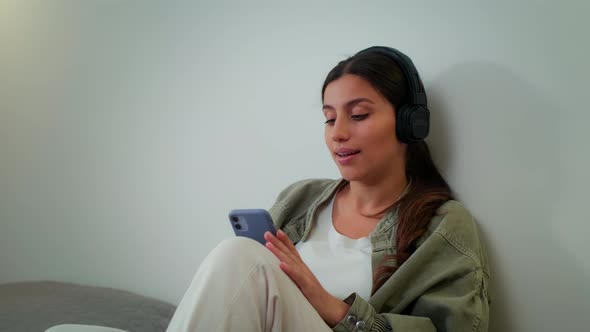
x=128, y=130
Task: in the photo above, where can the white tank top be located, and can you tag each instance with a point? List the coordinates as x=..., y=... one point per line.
x=341, y=264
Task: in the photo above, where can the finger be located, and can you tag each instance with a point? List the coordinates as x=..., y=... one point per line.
x=285, y=239
x=280, y=245
x=281, y=255
x=267, y=236
x=287, y=244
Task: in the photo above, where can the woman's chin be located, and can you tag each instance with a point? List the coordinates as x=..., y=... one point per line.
x=351, y=175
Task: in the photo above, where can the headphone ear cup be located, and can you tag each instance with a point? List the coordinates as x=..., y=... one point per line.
x=402, y=124
x=412, y=123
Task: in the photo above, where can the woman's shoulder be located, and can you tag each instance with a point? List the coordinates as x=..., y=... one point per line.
x=453, y=218
x=455, y=223
x=307, y=187
x=301, y=195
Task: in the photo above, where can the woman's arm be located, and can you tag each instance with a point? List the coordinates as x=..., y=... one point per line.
x=330, y=308
x=459, y=304
x=443, y=287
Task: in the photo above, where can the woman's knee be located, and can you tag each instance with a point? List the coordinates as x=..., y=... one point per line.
x=242, y=250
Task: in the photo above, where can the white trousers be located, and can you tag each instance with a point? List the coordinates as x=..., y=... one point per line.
x=240, y=287
x=81, y=328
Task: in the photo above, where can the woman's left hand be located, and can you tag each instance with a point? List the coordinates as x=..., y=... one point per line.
x=330, y=308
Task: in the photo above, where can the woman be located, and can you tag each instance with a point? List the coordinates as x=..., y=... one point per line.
x=384, y=248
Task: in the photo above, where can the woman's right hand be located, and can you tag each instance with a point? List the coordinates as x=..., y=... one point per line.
x=330, y=308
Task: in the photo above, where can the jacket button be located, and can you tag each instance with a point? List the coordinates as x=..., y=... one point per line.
x=351, y=319
x=360, y=325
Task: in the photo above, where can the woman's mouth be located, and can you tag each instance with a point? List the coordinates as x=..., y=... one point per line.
x=345, y=157
x=346, y=154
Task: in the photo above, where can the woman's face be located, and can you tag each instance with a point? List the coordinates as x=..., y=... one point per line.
x=360, y=130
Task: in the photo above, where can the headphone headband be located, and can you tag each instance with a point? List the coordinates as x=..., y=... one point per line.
x=417, y=95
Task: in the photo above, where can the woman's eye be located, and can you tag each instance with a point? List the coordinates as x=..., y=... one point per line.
x=360, y=117
x=330, y=121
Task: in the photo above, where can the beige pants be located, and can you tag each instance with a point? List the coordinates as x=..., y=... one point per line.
x=82, y=328
x=240, y=287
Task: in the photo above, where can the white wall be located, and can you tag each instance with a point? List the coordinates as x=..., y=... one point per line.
x=128, y=130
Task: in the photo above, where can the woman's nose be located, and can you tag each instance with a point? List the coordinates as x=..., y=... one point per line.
x=341, y=130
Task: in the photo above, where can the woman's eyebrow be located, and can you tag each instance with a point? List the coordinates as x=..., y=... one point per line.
x=349, y=104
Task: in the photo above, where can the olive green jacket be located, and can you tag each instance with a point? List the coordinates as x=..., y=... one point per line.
x=443, y=286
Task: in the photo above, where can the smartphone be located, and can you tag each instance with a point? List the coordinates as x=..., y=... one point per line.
x=252, y=223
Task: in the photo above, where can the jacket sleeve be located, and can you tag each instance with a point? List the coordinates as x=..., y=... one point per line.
x=460, y=304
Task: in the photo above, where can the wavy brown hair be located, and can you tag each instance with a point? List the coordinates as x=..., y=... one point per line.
x=428, y=189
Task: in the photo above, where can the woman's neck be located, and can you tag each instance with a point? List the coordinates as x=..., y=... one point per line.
x=373, y=199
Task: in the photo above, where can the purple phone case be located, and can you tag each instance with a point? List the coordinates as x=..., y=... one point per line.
x=252, y=223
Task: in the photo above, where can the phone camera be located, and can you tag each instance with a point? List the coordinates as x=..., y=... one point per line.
x=238, y=226
x=234, y=219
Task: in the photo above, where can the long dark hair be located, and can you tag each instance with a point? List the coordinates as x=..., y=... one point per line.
x=428, y=189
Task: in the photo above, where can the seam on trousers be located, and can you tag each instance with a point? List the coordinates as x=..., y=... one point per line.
x=239, y=290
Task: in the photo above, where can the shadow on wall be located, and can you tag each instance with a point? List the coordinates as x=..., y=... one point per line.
x=494, y=137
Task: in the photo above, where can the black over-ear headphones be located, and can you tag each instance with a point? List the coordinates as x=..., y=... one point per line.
x=413, y=117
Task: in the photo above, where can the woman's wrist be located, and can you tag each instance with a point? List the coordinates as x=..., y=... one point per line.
x=336, y=312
